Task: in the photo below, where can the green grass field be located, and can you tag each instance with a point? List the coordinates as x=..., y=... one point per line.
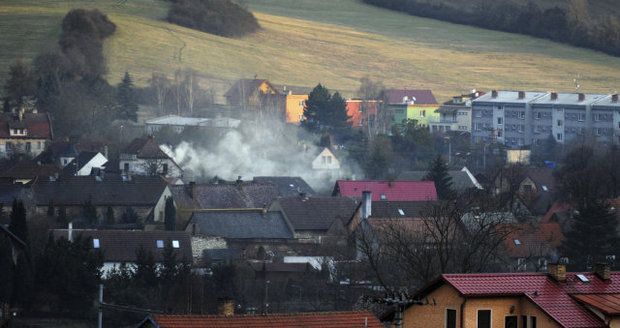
x=304, y=42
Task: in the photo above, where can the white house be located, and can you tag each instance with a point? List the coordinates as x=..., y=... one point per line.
x=84, y=163
x=144, y=156
x=326, y=164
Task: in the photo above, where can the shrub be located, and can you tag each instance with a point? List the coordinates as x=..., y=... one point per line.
x=219, y=17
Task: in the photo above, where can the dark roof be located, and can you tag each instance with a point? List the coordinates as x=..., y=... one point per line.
x=287, y=186
x=226, y=195
x=387, y=190
x=460, y=180
x=392, y=210
x=316, y=213
x=422, y=97
x=29, y=169
x=112, y=190
x=11, y=191
x=553, y=298
x=38, y=125
x=78, y=163
x=542, y=176
x=281, y=267
x=145, y=148
x=246, y=224
x=526, y=240
x=122, y=245
x=352, y=319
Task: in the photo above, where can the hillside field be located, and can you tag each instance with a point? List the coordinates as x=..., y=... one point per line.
x=303, y=42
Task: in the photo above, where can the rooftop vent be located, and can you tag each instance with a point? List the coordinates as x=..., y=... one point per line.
x=557, y=271
x=521, y=94
x=602, y=270
x=401, y=212
x=517, y=242
x=582, y=96
x=494, y=94
x=614, y=98
x=554, y=96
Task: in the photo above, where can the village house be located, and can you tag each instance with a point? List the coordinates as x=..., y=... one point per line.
x=455, y=114
x=364, y=114
x=326, y=165
x=252, y=233
x=531, y=246
x=122, y=246
x=142, y=196
x=418, y=105
x=533, y=185
x=295, y=103
x=25, y=133
x=399, y=190
x=462, y=180
x=317, y=219
x=26, y=171
x=255, y=95
x=554, y=299
x=143, y=156
x=351, y=319
x=86, y=163
x=178, y=124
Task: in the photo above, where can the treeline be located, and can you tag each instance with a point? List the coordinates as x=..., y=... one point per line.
x=572, y=25
x=219, y=17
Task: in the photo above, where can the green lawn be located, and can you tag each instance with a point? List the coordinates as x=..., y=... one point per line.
x=304, y=42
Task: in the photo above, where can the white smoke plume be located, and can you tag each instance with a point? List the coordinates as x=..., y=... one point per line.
x=260, y=149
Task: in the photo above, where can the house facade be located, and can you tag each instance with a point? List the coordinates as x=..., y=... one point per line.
x=418, y=105
x=144, y=156
x=454, y=115
x=255, y=95
x=294, y=108
x=326, y=164
x=26, y=133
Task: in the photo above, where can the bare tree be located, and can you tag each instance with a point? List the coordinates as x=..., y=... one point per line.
x=160, y=86
x=370, y=92
x=190, y=89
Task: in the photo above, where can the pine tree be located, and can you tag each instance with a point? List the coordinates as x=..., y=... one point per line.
x=20, y=84
x=592, y=236
x=317, y=107
x=438, y=173
x=338, y=117
x=50, y=209
x=109, y=216
x=18, y=224
x=146, y=268
x=22, y=275
x=126, y=98
x=170, y=215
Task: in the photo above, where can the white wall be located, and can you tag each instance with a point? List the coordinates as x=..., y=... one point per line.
x=96, y=162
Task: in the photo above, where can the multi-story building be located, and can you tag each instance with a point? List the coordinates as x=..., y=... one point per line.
x=519, y=118
x=418, y=105
x=454, y=115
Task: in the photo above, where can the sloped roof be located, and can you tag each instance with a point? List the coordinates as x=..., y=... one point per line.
x=28, y=169
x=397, y=209
x=525, y=239
x=145, y=148
x=247, y=86
x=38, y=125
x=281, y=267
x=552, y=297
x=78, y=163
x=316, y=213
x=122, y=245
x=240, y=224
x=460, y=180
x=400, y=190
x=112, y=190
x=422, y=97
x=609, y=304
x=287, y=186
x=227, y=195
x=352, y=319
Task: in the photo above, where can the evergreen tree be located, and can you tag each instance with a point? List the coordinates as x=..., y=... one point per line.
x=170, y=215
x=592, y=236
x=317, y=107
x=20, y=84
x=89, y=212
x=109, y=216
x=18, y=224
x=338, y=117
x=438, y=173
x=146, y=268
x=378, y=164
x=126, y=98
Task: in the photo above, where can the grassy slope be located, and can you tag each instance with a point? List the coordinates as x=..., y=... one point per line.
x=308, y=41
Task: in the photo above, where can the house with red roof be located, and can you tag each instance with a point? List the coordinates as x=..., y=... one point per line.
x=553, y=299
x=384, y=190
x=24, y=133
x=351, y=319
x=530, y=247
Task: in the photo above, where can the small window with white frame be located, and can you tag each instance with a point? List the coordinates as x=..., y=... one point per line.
x=96, y=243
x=175, y=244
x=159, y=243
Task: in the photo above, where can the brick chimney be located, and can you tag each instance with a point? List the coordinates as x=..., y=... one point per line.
x=554, y=96
x=614, y=98
x=366, y=204
x=190, y=189
x=521, y=94
x=602, y=270
x=557, y=271
x=493, y=93
x=582, y=96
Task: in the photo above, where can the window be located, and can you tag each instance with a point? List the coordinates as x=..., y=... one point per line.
x=401, y=212
x=560, y=122
x=126, y=167
x=559, y=136
x=521, y=128
x=500, y=120
x=581, y=117
x=523, y=321
x=532, y=322
x=28, y=146
x=538, y=115
x=484, y=318
x=521, y=115
x=96, y=243
x=499, y=133
x=521, y=264
x=165, y=169
x=40, y=145
x=160, y=243
x=450, y=318
x=542, y=264
x=510, y=321
x=517, y=242
x=478, y=113
x=422, y=113
x=599, y=131
x=175, y=244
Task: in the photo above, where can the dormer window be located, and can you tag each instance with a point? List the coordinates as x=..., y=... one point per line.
x=18, y=132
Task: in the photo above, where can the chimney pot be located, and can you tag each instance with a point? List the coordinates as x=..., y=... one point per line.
x=494, y=93
x=366, y=204
x=521, y=94
x=582, y=96
x=554, y=96
x=614, y=98
x=227, y=307
x=557, y=271
x=602, y=270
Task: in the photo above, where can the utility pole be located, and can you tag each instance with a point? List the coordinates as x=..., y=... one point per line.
x=100, y=315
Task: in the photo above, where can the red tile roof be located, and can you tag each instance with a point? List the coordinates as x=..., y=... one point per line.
x=416, y=191
x=296, y=320
x=419, y=97
x=554, y=298
x=533, y=240
x=38, y=125
x=609, y=304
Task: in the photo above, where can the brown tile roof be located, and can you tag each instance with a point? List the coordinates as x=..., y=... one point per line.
x=609, y=304
x=316, y=213
x=422, y=97
x=122, y=245
x=38, y=125
x=526, y=240
x=227, y=195
x=28, y=169
x=353, y=319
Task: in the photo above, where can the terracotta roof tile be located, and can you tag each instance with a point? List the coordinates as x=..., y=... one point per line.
x=296, y=320
x=609, y=304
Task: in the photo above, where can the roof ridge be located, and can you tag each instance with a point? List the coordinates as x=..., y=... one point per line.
x=245, y=315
